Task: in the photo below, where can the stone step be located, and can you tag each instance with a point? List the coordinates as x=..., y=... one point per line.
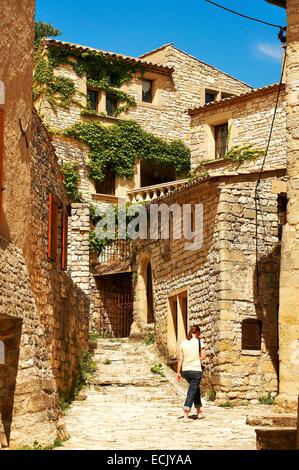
x=276, y=420
x=276, y=438
x=127, y=380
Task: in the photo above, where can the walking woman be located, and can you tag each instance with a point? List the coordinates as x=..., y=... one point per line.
x=191, y=353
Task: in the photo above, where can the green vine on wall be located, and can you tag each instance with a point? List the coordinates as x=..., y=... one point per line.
x=72, y=179
x=242, y=153
x=103, y=72
x=120, y=146
x=97, y=244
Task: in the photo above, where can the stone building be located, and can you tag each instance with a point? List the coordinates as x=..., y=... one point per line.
x=288, y=297
x=44, y=315
x=162, y=85
x=229, y=282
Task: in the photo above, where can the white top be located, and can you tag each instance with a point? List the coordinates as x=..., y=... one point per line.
x=189, y=351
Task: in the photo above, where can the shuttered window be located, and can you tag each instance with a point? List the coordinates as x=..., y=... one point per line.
x=1, y=158
x=54, y=205
x=251, y=334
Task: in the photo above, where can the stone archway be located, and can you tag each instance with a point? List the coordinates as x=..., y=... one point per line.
x=143, y=301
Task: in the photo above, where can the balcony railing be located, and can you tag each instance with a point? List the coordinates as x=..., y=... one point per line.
x=148, y=193
x=118, y=250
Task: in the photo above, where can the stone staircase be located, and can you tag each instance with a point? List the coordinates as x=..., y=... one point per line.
x=121, y=363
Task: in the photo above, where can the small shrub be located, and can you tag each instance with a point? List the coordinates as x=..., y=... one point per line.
x=211, y=395
x=158, y=369
x=37, y=446
x=268, y=399
x=150, y=339
x=94, y=336
x=107, y=362
x=64, y=405
x=226, y=404
x=86, y=368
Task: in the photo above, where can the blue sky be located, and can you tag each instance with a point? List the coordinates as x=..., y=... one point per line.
x=247, y=50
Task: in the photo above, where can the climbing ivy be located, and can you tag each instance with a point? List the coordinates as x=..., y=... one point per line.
x=118, y=148
x=72, y=179
x=97, y=214
x=103, y=72
x=242, y=153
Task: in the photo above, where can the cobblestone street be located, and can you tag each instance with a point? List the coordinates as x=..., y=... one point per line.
x=129, y=407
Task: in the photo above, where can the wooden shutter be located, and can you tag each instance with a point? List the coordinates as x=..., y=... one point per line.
x=1, y=158
x=64, y=240
x=251, y=334
x=54, y=204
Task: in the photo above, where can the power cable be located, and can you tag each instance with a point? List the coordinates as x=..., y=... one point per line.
x=256, y=197
x=282, y=29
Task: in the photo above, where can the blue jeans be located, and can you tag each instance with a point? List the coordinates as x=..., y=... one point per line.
x=193, y=377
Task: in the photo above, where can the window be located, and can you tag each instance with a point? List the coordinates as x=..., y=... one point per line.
x=226, y=95
x=251, y=334
x=111, y=104
x=147, y=91
x=107, y=185
x=1, y=158
x=221, y=134
x=282, y=203
x=93, y=99
x=210, y=96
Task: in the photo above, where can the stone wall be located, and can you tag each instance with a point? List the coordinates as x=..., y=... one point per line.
x=167, y=116
x=220, y=279
x=29, y=403
x=289, y=280
x=249, y=119
x=62, y=302
x=191, y=77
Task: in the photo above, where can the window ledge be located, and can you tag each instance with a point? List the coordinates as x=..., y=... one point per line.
x=251, y=352
x=143, y=104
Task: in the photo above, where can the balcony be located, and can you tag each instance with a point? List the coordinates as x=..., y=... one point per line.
x=149, y=193
x=115, y=258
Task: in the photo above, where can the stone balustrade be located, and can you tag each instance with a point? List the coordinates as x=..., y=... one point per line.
x=148, y=193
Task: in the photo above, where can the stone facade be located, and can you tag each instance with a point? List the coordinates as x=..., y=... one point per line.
x=219, y=281
x=289, y=299
x=44, y=315
x=249, y=120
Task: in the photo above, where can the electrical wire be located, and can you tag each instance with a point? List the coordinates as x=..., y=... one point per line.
x=260, y=175
x=246, y=16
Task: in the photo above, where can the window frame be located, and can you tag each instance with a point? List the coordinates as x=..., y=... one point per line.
x=151, y=91
x=116, y=101
x=221, y=150
x=97, y=98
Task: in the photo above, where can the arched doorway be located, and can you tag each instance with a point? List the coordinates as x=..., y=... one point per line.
x=149, y=294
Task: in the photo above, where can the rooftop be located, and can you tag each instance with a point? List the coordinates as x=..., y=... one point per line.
x=77, y=47
x=245, y=95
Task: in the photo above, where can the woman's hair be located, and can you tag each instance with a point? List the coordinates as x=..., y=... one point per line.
x=193, y=330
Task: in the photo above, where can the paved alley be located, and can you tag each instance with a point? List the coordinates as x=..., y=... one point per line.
x=129, y=407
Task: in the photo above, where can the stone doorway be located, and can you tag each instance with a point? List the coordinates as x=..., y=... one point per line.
x=177, y=320
x=10, y=337
x=114, y=305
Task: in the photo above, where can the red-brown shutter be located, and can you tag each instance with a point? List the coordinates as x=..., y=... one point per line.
x=64, y=240
x=1, y=158
x=54, y=204
x=50, y=210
